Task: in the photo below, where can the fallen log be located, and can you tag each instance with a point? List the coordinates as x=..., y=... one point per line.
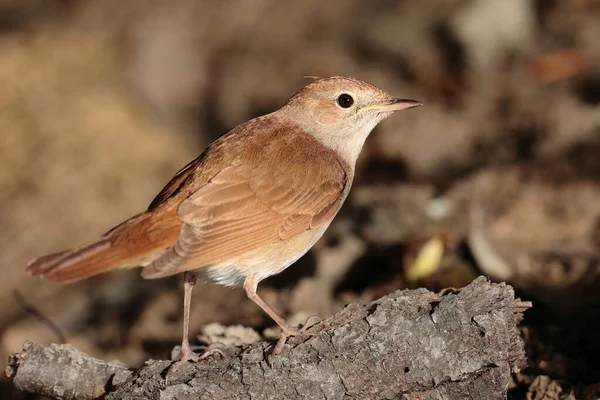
x=409, y=344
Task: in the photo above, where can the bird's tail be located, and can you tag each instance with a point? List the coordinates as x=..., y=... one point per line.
x=135, y=242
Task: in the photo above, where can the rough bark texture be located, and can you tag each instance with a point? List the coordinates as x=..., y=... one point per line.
x=408, y=344
x=60, y=371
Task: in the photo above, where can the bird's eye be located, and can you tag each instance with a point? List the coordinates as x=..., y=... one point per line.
x=344, y=100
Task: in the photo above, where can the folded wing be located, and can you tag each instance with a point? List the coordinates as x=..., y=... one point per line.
x=275, y=195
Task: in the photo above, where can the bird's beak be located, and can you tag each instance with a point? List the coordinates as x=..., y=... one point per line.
x=393, y=105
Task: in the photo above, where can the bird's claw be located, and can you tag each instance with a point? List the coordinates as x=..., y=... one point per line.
x=290, y=330
x=186, y=355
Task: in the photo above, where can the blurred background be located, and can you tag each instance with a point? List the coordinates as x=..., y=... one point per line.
x=101, y=102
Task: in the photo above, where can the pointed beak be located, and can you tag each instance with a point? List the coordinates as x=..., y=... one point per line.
x=394, y=105
x=399, y=105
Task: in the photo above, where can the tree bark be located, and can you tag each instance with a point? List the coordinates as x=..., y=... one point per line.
x=409, y=344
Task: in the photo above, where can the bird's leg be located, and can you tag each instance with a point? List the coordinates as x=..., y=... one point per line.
x=189, y=281
x=250, y=285
x=287, y=330
x=185, y=353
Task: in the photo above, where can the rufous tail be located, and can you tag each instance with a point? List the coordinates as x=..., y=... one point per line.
x=135, y=242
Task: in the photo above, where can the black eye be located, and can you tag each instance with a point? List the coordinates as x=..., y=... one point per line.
x=345, y=100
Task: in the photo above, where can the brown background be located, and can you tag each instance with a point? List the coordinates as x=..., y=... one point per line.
x=101, y=102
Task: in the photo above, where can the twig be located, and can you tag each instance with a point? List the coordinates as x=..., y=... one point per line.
x=60, y=337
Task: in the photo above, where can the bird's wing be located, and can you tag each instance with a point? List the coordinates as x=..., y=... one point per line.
x=175, y=183
x=275, y=195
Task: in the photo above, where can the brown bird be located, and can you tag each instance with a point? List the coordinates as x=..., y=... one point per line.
x=250, y=205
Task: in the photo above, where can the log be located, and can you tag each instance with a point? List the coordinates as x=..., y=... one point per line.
x=409, y=344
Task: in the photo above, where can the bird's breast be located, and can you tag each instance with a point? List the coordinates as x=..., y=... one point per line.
x=265, y=261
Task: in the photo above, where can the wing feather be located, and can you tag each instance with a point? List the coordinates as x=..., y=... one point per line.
x=274, y=196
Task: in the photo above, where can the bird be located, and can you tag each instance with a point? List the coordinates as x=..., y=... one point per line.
x=255, y=201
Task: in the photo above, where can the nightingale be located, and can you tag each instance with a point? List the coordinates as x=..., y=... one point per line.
x=255, y=201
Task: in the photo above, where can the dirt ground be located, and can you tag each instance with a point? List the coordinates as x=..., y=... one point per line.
x=101, y=102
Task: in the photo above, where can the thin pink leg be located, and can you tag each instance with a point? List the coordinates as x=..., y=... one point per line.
x=189, y=281
x=185, y=353
x=287, y=330
x=250, y=288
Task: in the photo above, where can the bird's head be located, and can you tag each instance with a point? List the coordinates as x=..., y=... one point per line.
x=340, y=112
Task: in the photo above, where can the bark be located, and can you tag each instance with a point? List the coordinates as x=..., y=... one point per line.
x=60, y=371
x=408, y=344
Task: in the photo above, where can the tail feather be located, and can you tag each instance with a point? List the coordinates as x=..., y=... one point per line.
x=71, y=265
x=135, y=242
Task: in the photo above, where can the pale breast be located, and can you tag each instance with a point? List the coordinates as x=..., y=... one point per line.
x=264, y=262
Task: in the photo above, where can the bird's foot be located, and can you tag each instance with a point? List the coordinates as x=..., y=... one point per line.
x=184, y=354
x=290, y=330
